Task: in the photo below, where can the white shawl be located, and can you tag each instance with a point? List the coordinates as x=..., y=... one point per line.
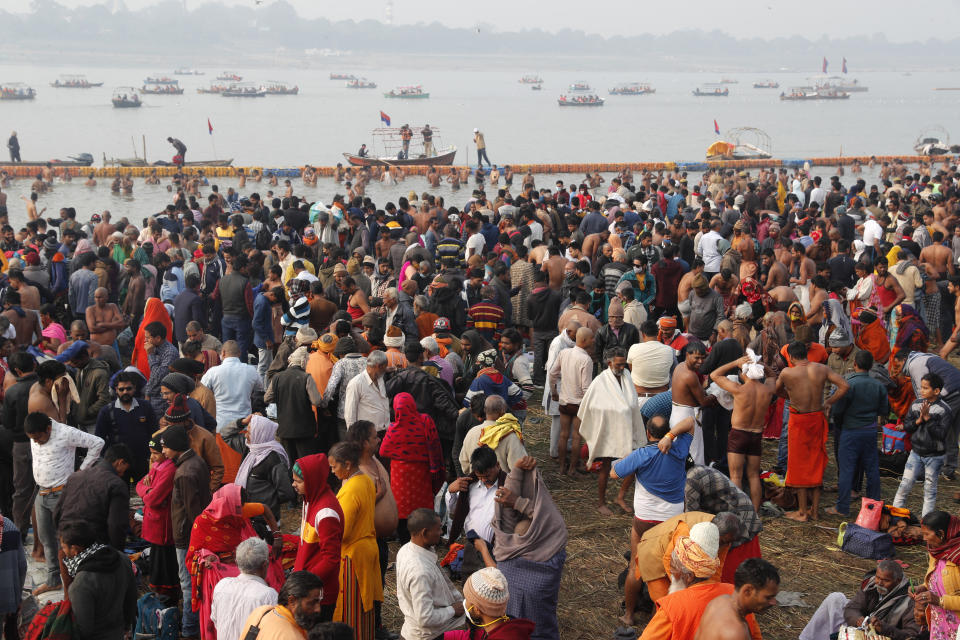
x=610, y=420
x=558, y=344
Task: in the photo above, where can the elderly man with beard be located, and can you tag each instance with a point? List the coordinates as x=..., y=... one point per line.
x=692, y=565
x=297, y=611
x=882, y=599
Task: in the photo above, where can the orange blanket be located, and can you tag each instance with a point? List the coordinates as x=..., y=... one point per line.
x=806, y=449
x=154, y=311
x=873, y=338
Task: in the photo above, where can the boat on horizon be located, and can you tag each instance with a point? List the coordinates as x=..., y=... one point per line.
x=729, y=81
x=213, y=88
x=712, y=90
x=632, y=89
x=814, y=93
x=162, y=90
x=342, y=76
x=933, y=140
x=17, y=91
x=531, y=78
x=74, y=82
x=160, y=79
x=280, y=88
x=580, y=101
x=244, y=90
x=125, y=98
x=766, y=84
x=407, y=93
x=536, y=87
x=187, y=72
x=839, y=83
x=229, y=76
x=361, y=83
x=580, y=85
x=79, y=160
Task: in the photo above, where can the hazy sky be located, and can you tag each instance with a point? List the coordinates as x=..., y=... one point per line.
x=766, y=18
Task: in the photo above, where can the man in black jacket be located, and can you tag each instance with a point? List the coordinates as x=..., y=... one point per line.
x=616, y=333
x=98, y=497
x=543, y=307
x=15, y=412
x=432, y=395
x=187, y=307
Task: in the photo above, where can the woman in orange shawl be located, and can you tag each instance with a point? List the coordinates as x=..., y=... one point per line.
x=153, y=311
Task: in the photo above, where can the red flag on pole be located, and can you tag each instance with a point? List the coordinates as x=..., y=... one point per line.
x=209, y=126
x=716, y=127
x=824, y=69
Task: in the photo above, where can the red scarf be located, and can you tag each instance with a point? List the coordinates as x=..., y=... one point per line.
x=949, y=550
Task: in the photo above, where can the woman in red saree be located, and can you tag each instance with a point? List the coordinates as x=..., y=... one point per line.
x=153, y=311
x=416, y=459
x=216, y=532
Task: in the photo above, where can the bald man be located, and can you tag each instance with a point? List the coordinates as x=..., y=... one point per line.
x=569, y=378
x=104, y=319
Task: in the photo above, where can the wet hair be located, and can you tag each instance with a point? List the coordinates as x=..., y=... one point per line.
x=694, y=346
x=756, y=572
x=483, y=459
x=346, y=452
x=50, y=370
x=298, y=585
x=797, y=350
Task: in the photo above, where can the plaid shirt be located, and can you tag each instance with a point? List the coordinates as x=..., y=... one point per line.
x=710, y=491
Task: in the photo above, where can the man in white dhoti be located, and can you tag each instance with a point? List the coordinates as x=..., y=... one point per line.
x=610, y=422
x=564, y=340
x=688, y=395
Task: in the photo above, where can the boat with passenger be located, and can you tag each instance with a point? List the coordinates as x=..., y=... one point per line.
x=126, y=98
x=244, y=90
x=17, y=91
x=632, y=89
x=408, y=93
x=74, y=82
x=280, y=88
x=361, y=83
x=580, y=100
x=712, y=91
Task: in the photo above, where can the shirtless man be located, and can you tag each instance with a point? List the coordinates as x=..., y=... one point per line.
x=751, y=399
x=688, y=396
x=555, y=265
x=808, y=268
x=891, y=285
x=818, y=297
x=756, y=584
x=104, y=318
x=783, y=296
x=136, y=293
x=938, y=256
x=433, y=177
x=953, y=287
x=32, y=213
x=454, y=180
x=777, y=274
x=803, y=383
x=592, y=244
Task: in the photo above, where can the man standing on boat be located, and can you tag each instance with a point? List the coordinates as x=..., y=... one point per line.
x=427, y=134
x=14, y=146
x=181, y=150
x=406, y=133
x=481, y=148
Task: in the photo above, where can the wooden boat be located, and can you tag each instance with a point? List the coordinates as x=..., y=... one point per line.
x=443, y=160
x=408, y=93
x=79, y=160
x=536, y=87
x=766, y=84
x=187, y=72
x=712, y=90
x=342, y=76
x=244, y=90
x=810, y=93
x=580, y=85
x=632, y=89
x=933, y=140
x=16, y=91
x=229, y=76
x=278, y=88
x=361, y=83
x=531, y=79
x=125, y=98
x=162, y=90
x=839, y=83
x=74, y=82
x=160, y=79
x=742, y=143
x=580, y=101
x=140, y=162
x=213, y=88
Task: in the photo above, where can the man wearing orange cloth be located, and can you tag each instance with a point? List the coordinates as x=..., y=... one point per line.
x=803, y=383
x=693, y=564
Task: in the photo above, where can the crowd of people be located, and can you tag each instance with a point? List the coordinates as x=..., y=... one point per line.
x=234, y=358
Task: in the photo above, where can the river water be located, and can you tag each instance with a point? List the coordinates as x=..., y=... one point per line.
x=520, y=125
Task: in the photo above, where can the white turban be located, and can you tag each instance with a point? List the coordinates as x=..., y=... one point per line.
x=754, y=370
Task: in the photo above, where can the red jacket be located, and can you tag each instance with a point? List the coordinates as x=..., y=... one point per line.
x=156, y=489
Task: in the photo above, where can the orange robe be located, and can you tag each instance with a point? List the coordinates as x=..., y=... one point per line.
x=806, y=449
x=678, y=614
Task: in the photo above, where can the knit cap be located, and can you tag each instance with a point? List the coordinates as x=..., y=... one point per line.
x=178, y=382
x=175, y=437
x=615, y=309
x=178, y=412
x=305, y=336
x=487, y=591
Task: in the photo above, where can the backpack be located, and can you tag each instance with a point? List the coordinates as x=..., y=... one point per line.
x=154, y=621
x=53, y=621
x=262, y=239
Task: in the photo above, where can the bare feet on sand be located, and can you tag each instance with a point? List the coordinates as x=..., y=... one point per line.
x=604, y=510
x=799, y=516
